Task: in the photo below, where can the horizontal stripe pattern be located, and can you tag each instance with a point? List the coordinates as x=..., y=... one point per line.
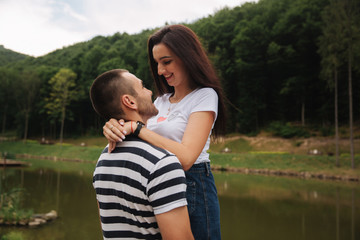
x=132, y=184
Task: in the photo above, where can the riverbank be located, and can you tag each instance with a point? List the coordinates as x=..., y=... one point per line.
x=241, y=157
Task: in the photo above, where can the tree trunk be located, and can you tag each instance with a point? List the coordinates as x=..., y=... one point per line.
x=350, y=16
x=27, y=113
x=336, y=119
x=62, y=124
x=303, y=113
x=4, y=118
x=53, y=130
x=351, y=112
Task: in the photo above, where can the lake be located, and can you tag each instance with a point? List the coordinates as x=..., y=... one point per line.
x=252, y=206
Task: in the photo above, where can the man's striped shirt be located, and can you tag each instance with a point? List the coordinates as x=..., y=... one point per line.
x=133, y=184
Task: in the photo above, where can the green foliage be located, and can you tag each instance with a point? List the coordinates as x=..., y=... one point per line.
x=271, y=57
x=327, y=131
x=331, y=42
x=7, y=155
x=13, y=236
x=287, y=130
x=26, y=91
x=10, y=206
x=7, y=56
x=62, y=92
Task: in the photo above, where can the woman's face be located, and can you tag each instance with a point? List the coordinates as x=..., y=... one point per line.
x=169, y=65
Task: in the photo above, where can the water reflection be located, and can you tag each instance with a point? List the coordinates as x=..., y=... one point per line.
x=252, y=206
x=259, y=207
x=70, y=194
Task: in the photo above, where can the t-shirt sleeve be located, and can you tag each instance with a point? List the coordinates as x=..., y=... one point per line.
x=206, y=100
x=167, y=185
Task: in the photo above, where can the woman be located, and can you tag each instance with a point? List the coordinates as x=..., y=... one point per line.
x=190, y=100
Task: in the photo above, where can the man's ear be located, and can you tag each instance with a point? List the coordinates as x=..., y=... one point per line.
x=129, y=101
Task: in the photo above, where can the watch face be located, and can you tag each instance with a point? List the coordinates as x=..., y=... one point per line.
x=140, y=123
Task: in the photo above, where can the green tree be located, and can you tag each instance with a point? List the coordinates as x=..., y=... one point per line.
x=7, y=78
x=218, y=33
x=89, y=67
x=42, y=119
x=266, y=54
x=26, y=90
x=331, y=49
x=62, y=93
x=7, y=56
x=112, y=63
x=298, y=30
x=351, y=19
x=257, y=88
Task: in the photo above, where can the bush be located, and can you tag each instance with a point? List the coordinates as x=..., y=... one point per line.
x=327, y=131
x=10, y=209
x=7, y=155
x=287, y=130
x=13, y=236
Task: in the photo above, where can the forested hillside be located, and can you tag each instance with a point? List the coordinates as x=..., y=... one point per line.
x=7, y=56
x=276, y=60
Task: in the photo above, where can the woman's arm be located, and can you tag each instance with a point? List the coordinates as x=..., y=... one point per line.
x=195, y=136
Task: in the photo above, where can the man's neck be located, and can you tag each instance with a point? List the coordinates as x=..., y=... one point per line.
x=137, y=118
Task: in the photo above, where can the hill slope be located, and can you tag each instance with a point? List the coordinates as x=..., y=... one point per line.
x=8, y=56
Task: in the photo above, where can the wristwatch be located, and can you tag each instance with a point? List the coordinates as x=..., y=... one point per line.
x=140, y=125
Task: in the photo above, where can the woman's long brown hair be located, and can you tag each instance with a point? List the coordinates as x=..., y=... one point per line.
x=184, y=43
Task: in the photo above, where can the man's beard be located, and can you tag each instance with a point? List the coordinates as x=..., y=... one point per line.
x=147, y=109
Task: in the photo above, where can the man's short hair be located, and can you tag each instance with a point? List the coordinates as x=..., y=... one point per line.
x=106, y=92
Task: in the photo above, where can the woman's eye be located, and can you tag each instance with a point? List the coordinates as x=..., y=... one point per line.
x=167, y=62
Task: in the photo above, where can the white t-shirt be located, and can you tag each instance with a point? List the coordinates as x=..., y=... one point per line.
x=172, y=118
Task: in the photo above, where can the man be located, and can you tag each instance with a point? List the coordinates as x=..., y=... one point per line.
x=141, y=189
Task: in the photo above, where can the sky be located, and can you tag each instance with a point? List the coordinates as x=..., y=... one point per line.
x=37, y=27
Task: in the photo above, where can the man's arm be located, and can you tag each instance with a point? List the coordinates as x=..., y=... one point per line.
x=175, y=224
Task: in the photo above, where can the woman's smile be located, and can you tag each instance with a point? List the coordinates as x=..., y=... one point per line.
x=167, y=77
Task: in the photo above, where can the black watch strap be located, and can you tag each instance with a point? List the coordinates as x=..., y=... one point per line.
x=140, y=125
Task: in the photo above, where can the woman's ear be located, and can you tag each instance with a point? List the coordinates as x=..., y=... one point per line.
x=129, y=101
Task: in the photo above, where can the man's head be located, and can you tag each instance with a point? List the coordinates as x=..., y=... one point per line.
x=121, y=95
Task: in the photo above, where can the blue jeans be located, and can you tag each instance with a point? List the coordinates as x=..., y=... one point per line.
x=203, y=203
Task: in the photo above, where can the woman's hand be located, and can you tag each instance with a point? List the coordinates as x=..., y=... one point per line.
x=115, y=131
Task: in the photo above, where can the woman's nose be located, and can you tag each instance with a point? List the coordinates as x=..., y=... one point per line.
x=160, y=69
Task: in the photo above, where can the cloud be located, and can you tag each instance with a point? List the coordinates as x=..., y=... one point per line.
x=33, y=27
x=38, y=27
x=136, y=15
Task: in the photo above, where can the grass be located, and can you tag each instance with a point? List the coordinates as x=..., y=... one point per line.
x=61, y=151
x=88, y=141
x=287, y=162
x=238, y=145
x=243, y=155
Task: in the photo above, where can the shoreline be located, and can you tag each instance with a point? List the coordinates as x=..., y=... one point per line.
x=286, y=173
x=214, y=167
